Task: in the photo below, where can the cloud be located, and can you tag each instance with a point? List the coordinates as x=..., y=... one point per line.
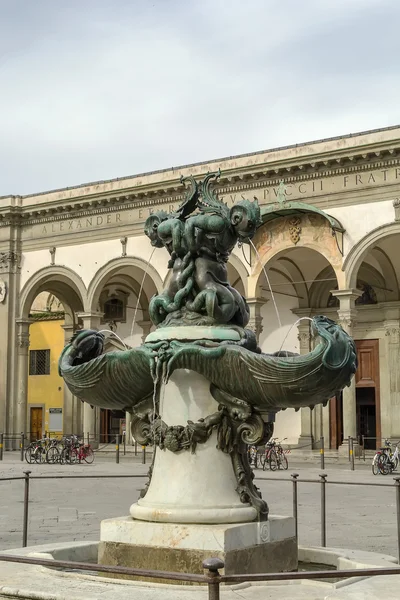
x=106, y=88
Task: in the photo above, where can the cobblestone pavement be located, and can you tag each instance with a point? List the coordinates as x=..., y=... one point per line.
x=71, y=509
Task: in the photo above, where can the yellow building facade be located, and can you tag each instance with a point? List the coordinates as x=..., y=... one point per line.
x=45, y=386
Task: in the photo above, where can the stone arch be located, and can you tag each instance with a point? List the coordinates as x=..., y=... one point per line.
x=359, y=251
x=152, y=282
x=275, y=237
x=62, y=282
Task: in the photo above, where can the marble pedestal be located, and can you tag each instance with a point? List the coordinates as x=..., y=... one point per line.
x=190, y=487
x=244, y=547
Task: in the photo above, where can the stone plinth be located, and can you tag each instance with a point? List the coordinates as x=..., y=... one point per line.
x=188, y=487
x=245, y=547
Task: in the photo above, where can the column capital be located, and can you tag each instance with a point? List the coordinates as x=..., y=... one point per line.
x=392, y=331
x=347, y=298
x=90, y=315
x=23, y=334
x=347, y=319
x=91, y=319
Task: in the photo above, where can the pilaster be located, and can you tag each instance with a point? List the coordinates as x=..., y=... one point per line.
x=347, y=318
x=306, y=436
x=91, y=416
x=255, y=321
x=392, y=334
x=72, y=418
x=22, y=374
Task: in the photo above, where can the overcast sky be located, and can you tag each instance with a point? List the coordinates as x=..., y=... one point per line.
x=97, y=89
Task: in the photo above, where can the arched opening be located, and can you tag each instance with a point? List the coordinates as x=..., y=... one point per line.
x=373, y=267
x=120, y=293
x=49, y=306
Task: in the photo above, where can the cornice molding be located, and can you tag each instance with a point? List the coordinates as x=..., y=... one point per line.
x=238, y=180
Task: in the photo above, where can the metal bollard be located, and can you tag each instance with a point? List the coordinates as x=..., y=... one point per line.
x=322, y=452
x=135, y=448
x=323, y=477
x=348, y=443
x=144, y=455
x=397, y=484
x=1, y=445
x=88, y=438
x=213, y=576
x=117, y=449
x=363, y=446
x=124, y=438
x=26, y=506
x=294, y=477
x=22, y=446
x=351, y=441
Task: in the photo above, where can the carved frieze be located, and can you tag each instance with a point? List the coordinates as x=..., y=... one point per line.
x=10, y=262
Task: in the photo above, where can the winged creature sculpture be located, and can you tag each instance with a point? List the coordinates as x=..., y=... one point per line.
x=248, y=385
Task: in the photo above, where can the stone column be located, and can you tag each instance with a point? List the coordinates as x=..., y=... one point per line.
x=255, y=322
x=10, y=272
x=69, y=405
x=146, y=328
x=347, y=315
x=128, y=419
x=22, y=374
x=392, y=405
x=91, y=416
x=306, y=435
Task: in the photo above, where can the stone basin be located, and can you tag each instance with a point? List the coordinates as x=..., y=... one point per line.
x=23, y=581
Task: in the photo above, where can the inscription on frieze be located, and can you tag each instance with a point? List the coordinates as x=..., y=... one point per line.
x=294, y=190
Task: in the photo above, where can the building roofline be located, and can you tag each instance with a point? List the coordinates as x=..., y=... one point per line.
x=205, y=162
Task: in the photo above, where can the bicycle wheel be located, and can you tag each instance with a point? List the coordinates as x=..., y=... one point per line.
x=383, y=464
x=29, y=456
x=66, y=456
x=273, y=461
x=89, y=455
x=52, y=455
x=375, y=467
x=284, y=462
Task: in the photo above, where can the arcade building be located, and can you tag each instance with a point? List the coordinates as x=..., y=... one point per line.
x=329, y=244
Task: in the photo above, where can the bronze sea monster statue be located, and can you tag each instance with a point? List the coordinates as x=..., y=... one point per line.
x=200, y=324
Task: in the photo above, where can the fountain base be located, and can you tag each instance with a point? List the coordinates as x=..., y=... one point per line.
x=191, y=487
x=244, y=547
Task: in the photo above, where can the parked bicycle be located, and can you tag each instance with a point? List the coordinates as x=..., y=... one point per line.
x=69, y=450
x=385, y=460
x=275, y=456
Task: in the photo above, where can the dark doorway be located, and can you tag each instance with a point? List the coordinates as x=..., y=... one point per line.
x=110, y=424
x=366, y=416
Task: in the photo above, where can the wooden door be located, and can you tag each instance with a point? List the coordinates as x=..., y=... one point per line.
x=36, y=422
x=367, y=376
